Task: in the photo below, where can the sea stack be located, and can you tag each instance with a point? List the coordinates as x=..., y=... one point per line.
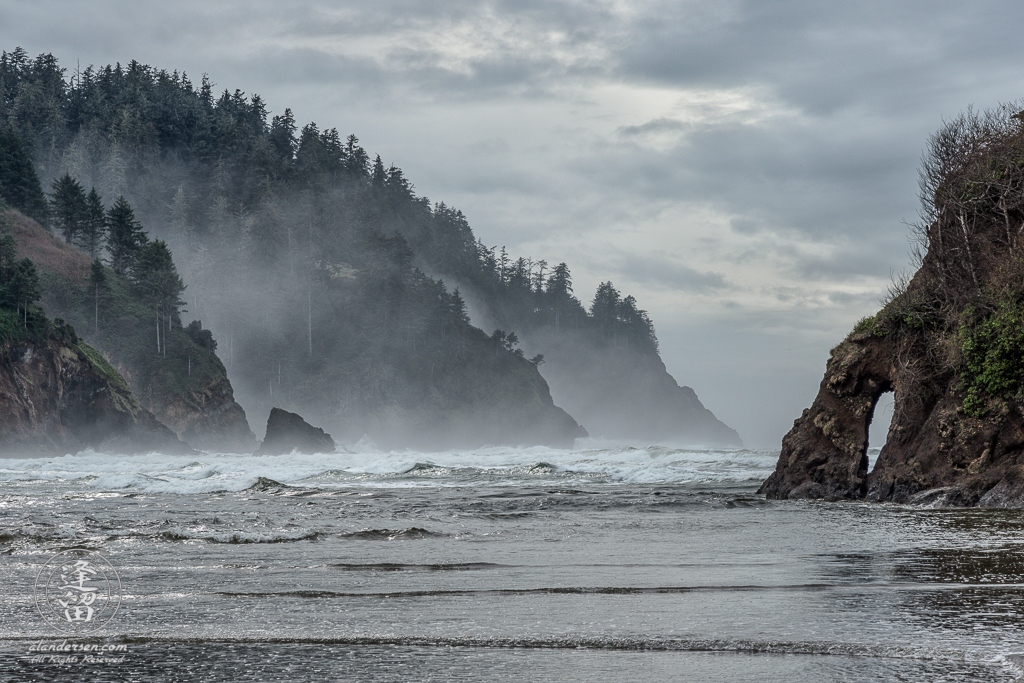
x=288, y=432
x=949, y=343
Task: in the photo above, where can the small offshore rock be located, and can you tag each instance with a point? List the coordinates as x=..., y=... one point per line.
x=288, y=432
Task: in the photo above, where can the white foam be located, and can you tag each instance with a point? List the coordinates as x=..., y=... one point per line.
x=596, y=463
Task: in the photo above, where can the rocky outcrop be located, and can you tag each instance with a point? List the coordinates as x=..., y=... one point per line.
x=936, y=453
x=825, y=454
x=60, y=396
x=207, y=417
x=950, y=345
x=191, y=395
x=288, y=432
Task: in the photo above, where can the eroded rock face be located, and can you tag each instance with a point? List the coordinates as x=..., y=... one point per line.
x=58, y=398
x=936, y=454
x=825, y=454
x=204, y=414
x=288, y=432
x=208, y=418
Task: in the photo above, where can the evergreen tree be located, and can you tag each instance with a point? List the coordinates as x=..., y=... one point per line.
x=378, y=176
x=605, y=309
x=457, y=306
x=125, y=237
x=19, y=280
x=22, y=289
x=157, y=277
x=160, y=287
x=559, y=292
x=68, y=207
x=538, y=277
x=357, y=161
x=8, y=256
x=560, y=282
x=19, y=184
x=282, y=136
x=92, y=234
x=98, y=286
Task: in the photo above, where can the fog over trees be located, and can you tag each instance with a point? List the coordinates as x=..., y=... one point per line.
x=330, y=286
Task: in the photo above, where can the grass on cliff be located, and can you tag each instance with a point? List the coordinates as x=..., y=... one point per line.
x=962, y=314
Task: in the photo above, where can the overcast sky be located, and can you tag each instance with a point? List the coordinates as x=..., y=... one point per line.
x=744, y=169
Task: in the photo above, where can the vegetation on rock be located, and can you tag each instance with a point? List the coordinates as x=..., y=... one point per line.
x=57, y=393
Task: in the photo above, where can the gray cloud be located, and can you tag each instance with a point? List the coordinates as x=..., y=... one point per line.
x=661, y=125
x=663, y=273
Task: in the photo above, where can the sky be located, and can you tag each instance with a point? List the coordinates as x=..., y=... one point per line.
x=746, y=170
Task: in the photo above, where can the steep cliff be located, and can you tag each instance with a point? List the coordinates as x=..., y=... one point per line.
x=949, y=344
x=621, y=393
x=478, y=394
x=186, y=388
x=58, y=395
x=305, y=254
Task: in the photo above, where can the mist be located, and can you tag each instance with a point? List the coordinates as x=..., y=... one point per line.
x=308, y=262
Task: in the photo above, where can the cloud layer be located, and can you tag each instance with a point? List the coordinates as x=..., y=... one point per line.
x=742, y=168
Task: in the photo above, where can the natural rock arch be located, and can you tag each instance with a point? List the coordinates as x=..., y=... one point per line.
x=949, y=343
x=934, y=453
x=825, y=454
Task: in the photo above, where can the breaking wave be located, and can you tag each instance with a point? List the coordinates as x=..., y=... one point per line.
x=496, y=466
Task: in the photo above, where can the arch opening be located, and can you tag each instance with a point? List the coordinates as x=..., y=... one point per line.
x=878, y=428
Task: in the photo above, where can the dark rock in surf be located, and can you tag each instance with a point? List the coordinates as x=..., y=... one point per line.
x=288, y=432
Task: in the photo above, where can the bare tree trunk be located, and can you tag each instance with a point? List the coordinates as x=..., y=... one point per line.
x=970, y=257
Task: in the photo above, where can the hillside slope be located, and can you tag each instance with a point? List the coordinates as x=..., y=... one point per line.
x=308, y=259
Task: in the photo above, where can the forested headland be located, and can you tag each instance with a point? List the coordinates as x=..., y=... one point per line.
x=329, y=286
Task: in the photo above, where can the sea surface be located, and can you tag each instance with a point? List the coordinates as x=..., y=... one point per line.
x=608, y=562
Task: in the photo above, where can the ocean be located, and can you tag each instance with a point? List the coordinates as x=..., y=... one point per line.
x=607, y=562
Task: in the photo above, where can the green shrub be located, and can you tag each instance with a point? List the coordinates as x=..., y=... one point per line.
x=993, y=355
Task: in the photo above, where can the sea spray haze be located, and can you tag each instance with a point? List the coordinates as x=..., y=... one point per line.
x=307, y=259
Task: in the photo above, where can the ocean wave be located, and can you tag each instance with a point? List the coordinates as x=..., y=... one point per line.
x=63, y=535
x=495, y=466
x=238, y=537
x=412, y=533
